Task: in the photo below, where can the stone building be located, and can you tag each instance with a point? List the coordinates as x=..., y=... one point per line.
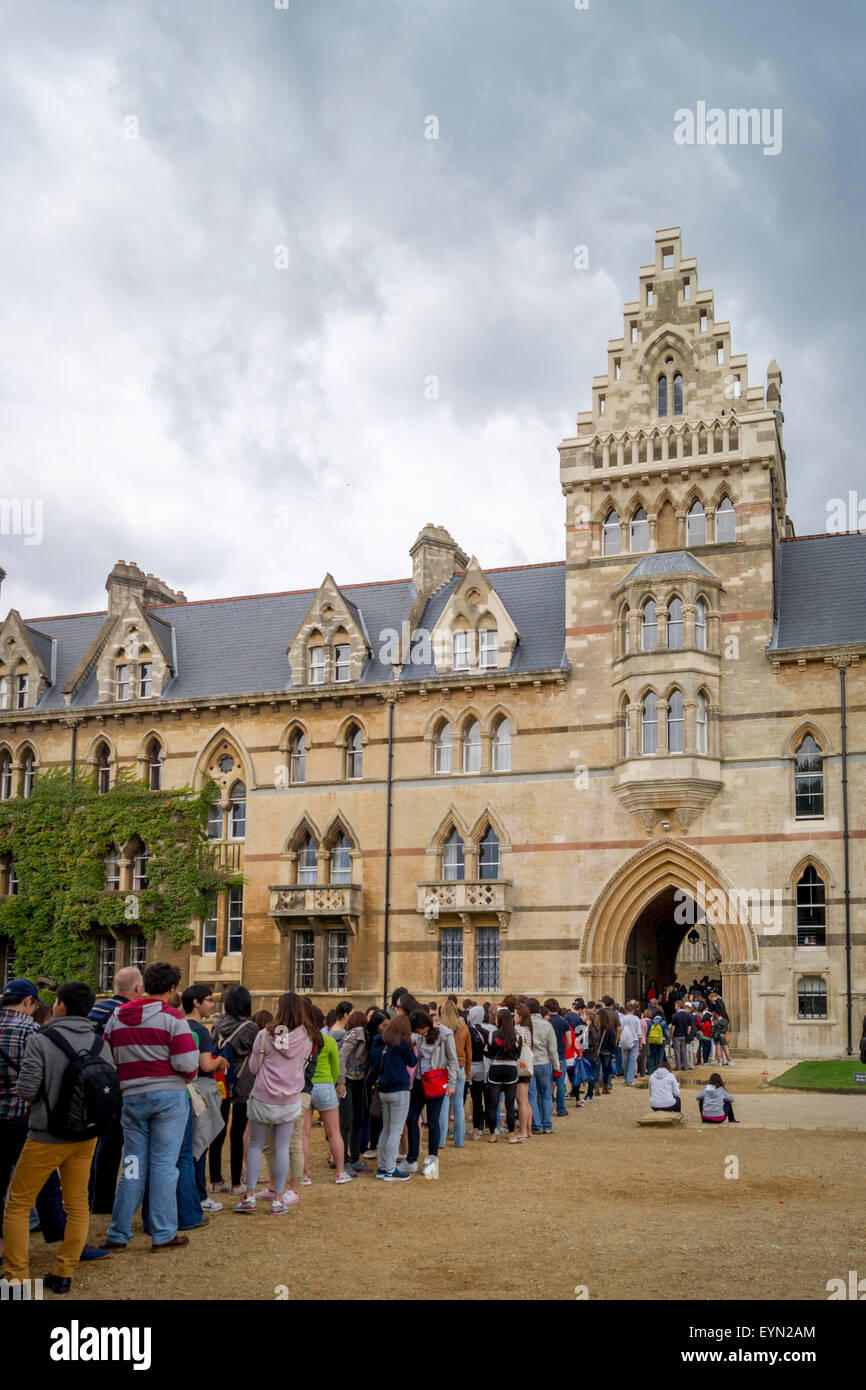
x=547, y=778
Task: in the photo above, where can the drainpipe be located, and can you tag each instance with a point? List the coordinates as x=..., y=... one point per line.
x=72, y=756
x=389, y=785
x=845, y=834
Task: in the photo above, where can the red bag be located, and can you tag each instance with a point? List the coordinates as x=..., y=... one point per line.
x=435, y=1082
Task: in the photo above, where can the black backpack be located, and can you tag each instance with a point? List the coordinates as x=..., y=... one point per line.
x=478, y=1043
x=89, y=1093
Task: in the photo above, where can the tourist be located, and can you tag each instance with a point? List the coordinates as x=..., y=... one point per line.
x=128, y=984
x=479, y=1035
x=392, y=1067
x=450, y=1016
x=720, y=1038
x=561, y=1030
x=299, y=1146
x=630, y=1036
x=591, y=1052
x=715, y=1103
x=503, y=1049
x=643, y=1055
x=329, y=1086
x=682, y=1031
x=657, y=1034
x=18, y=1007
x=197, y=1002
x=705, y=1038
x=436, y=1079
x=42, y=1077
x=545, y=1065
x=523, y=1027
x=355, y=1064
x=156, y=1056
x=664, y=1088
x=372, y=1125
x=610, y=1027
x=277, y=1060
x=232, y=1035
x=652, y=993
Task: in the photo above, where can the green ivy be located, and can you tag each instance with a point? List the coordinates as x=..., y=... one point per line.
x=58, y=839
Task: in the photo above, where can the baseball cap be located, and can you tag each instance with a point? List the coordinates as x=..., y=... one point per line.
x=21, y=989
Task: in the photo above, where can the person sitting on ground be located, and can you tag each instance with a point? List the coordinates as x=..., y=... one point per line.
x=664, y=1088
x=715, y=1103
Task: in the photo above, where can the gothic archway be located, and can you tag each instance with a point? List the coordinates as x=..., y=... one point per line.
x=652, y=873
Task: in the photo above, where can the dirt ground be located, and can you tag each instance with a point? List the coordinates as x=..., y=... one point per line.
x=538, y=1219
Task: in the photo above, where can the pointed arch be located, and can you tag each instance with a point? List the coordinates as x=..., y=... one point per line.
x=437, y=719
x=223, y=734
x=346, y=728
x=304, y=827
x=662, y=865
x=293, y=727
x=496, y=713
x=489, y=819
x=666, y=339
x=452, y=820
x=806, y=862
x=338, y=827
x=23, y=748
x=91, y=757
x=808, y=726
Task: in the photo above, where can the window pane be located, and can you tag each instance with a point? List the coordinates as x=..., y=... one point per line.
x=502, y=747
x=488, y=858
x=811, y=909
x=725, y=522
x=675, y=624
x=676, y=724
x=489, y=649
x=663, y=395
x=235, y=920
x=342, y=655
x=107, y=959
x=209, y=927
x=461, y=651
x=215, y=821
x=809, y=779
x=678, y=394
x=649, y=627
x=451, y=958
x=487, y=958
x=452, y=858
x=298, y=759
x=238, y=812
x=338, y=962
x=812, y=998
x=308, y=864
x=442, y=750
x=701, y=626
x=145, y=680
x=355, y=755
x=305, y=960
x=639, y=531
x=316, y=665
x=696, y=525
x=611, y=535
x=341, y=862
x=138, y=951
x=472, y=747
x=649, y=724
x=701, y=724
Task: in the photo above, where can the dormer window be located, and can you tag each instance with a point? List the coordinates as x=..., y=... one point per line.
x=696, y=524
x=461, y=651
x=121, y=683
x=611, y=534
x=488, y=652
x=22, y=685
x=145, y=680
x=342, y=656
x=316, y=665
x=639, y=532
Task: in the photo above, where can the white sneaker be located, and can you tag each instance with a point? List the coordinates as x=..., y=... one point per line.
x=406, y=1166
x=267, y=1194
x=431, y=1167
x=210, y=1205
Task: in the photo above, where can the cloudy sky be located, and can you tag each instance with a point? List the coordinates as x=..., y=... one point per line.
x=176, y=395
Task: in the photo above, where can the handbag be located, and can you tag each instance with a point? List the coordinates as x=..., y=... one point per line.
x=526, y=1060
x=435, y=1082
x=582, y=1070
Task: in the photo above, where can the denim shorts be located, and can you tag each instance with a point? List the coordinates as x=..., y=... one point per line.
x=324, y=1096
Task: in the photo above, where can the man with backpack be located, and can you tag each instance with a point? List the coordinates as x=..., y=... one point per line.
x=128, y=984
x=67, y=1074
x=157, y=1055
x=656, y=1038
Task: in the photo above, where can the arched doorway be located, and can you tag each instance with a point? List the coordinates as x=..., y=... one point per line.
x=646, y=884
x=670, y=940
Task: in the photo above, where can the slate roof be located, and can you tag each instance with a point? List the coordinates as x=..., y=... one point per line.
x=667, y=562
x=237, y=646
x=821, y=592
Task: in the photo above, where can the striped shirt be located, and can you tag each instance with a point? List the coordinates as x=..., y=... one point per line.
x=153, y=1046
x=15, y=1028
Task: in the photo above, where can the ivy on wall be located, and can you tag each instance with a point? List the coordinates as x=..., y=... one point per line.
x=58, y=839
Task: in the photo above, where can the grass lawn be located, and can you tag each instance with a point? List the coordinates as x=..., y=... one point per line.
x=824, y=1076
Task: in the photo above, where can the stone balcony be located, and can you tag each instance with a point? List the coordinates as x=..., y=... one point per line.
x=227, y=854
x=316, y=903
x=469, y=899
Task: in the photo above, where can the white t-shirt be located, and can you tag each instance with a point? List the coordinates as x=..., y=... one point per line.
x=664, y=1089
x=630, y=1035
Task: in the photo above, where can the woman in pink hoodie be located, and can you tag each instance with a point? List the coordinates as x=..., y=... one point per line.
x=277, y=1060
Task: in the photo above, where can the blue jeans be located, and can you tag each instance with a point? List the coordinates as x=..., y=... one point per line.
x=457, y=1101
x=560, y=1089
x=541, y=1097
x=656, y=1053
x=153, y=1131
x=189, y=1212
x=629, y=1058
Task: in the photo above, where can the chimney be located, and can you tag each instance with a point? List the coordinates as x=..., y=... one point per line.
x=128, y=581
x=436, y=556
